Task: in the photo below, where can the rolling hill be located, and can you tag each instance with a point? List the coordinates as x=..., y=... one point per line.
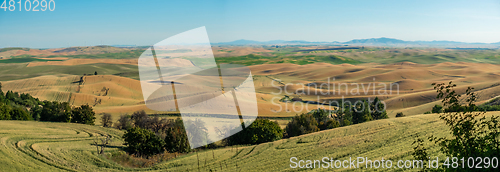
x=45, y=146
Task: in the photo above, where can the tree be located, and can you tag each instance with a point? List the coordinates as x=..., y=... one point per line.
x=437, y=109
x=197, y=133
x=140, y=119
x=470, y=136
x=95, y=73
x=18, y=113
x=321, y=115
x=377, y=109
x=357, y=112
x=83, y=115
x=2, y=95
x=344, y=116
x=56, y=112
x=124, y=123
x=36, y=112
x=303, y=124
x=260, y=131
x=5, y=111
x=331, y=123
x=106, y=120
x=104, y=142
x=176, y=139
x=142, y=142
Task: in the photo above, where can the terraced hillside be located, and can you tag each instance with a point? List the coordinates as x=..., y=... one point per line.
x=43, y=146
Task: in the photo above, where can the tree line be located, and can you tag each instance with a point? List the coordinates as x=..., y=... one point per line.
x=345, y=115
x=15, y=106
x=150, y=135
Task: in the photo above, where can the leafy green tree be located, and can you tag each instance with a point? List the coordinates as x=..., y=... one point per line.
x=344, y=116
x=357, y=114
x=142, y=142
x=176, y=139
x=303, y=124
x=83, y=115
x=377, y=109
x=320, y=114
x=2, y=95
x=55, y=112
x=18, y=113
x=471, y=134
x=36, y=111
x=5, y=111
x=437, y=109
x=260, y=131
x=367, y=116
x=331, y=123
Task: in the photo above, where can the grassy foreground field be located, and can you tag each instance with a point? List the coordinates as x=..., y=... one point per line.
x=43, y=146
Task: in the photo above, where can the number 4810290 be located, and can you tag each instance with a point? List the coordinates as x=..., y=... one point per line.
x=29, y=5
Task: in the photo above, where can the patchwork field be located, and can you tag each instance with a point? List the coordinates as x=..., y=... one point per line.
x=53, y=74
x=308, y=75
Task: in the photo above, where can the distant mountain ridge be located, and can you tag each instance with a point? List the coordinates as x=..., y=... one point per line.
x=383, y=41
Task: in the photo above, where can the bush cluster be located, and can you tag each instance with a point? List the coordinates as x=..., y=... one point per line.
x=260, y=131
x=345, y=115
x=15, y=106
x=143, y=129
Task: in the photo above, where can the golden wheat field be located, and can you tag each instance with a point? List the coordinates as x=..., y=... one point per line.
x=411, y=91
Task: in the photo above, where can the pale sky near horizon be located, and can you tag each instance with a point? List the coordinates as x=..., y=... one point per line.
x=114, y=22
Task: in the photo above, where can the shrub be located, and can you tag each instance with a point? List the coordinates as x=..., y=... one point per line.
x=142, y=142
x=437, y=109
x=400, y=114
x=260, y=131
x=331, y=123
x=303, y=124
x=106, y=120
x=428, y=112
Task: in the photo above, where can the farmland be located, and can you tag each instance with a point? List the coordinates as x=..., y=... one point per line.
x=52, y=74
x=68, y=75
x=45, y=146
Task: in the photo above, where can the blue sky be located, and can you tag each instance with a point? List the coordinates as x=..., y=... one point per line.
x=112, y=22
